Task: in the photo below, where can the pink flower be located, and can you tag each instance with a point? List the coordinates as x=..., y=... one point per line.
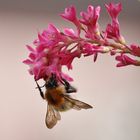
x=124, y=60
x=113, y=32
x=70, y=14
x=90, y=49
x=114, y=10
x=55, y=49
x=70, y=33
x=90, y=19
x=135, y=50
x=67, y=57
x=87, y=49
x=113, y=29
x=37, y=61
x=45, y=60
x=49, y=37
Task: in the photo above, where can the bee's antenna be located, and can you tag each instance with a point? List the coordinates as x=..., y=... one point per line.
x=40, y=90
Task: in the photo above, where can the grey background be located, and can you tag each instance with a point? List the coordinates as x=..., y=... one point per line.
x=114, y=92
x=56, y=6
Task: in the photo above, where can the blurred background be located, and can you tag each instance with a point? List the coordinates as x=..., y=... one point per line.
x=114, y=92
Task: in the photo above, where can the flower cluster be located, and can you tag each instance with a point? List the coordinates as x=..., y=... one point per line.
x=55, y=49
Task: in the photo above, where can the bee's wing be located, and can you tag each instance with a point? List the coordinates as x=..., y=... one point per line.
x=78, y=105
x=52, y=116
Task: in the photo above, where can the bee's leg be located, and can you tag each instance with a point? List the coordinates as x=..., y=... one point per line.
x=40, y=90
x=68, y=87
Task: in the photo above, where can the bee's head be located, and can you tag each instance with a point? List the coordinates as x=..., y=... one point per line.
x=52, y=82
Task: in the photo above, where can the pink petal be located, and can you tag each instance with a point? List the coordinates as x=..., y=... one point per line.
x=30, y=48
x=135, y=50
x=66, y=77
x=27, y=61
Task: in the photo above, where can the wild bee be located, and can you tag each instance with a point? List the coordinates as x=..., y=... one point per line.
x=58, y=98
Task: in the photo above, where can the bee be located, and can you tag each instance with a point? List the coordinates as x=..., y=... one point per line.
x=59, y=100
